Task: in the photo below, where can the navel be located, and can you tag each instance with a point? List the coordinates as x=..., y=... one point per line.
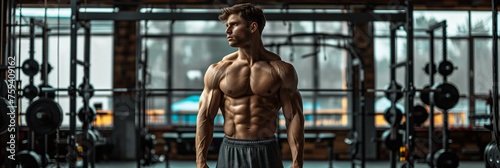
x=268, y=91
x=229, y=91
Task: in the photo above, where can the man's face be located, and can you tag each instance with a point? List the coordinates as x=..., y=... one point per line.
x=238, y=32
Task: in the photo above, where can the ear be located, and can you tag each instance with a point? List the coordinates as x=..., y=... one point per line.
x=254, y=27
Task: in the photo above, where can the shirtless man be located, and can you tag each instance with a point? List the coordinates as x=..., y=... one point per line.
x=249, y=86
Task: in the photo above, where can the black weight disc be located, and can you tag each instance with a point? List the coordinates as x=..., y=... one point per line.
x=447, y=96
x=489, y=154
x=496, y=156
x=89, y=93
x=4, y=88
x=424, y=94
x=445, y=68
x=445, y=159
x=47, y=94
x=90, y=115
x=28, y=159
x=389, y=87
x=391, y=144
x=30, y=91
x=30, y=67
x=428, y=70
x=420, y=114
x=44, y=116
x=393, y=116
x=5, y=108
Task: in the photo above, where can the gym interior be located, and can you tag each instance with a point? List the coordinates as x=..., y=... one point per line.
x=117, y=83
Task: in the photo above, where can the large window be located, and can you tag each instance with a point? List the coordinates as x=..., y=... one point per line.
x=101, y=60
x=458, y=43
x=197, y=44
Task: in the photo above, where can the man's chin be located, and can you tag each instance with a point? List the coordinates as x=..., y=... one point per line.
x=233, y=44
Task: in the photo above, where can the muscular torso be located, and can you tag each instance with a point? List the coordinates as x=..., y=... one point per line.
x=250, y=100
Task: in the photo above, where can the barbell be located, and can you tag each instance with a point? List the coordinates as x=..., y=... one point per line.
x=46, y=91
x=445, y=68
x=394, y=115
x=446, y=98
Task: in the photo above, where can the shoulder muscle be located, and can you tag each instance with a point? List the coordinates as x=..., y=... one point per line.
x=214, y=74
x=287, y=74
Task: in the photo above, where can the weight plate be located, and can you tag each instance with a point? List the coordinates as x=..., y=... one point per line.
x=28, y=159
x=4, y=88
x=89, y=93
x=91, y=115
x=389, y=92
x=30, y=67
x=445, y=159
x=496, y=155
x=427, y=69
x=446, y=97
x=424, y=94
x=489, y=154
x=44, y=116
x=445, y=68
x=392, y=144
x=30, y=91
x=420, y=114
x=5, y=108
x=393, y=116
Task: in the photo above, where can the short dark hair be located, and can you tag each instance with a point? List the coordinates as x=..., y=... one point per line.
x=247, y=11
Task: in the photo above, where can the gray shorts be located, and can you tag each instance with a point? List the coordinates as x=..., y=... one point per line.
x=244, y=153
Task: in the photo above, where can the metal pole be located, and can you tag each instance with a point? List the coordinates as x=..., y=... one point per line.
x=138, y=121
x=361, y=76
x=86, y=81
x=409, y=85
x=170, y=72
x=445, y=52
x=393, y=83
x=431, y=102
x=354, y=104
x=73, y=61
x=495, y=72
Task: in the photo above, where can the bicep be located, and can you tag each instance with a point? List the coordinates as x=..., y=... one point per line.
x=211, y=96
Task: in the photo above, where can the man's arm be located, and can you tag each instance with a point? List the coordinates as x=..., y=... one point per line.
x=209, y=105
x=292, y=110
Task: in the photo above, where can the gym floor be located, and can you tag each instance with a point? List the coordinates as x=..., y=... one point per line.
x=286, y=164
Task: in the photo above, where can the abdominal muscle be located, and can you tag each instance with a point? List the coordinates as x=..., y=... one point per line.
x=250, y=117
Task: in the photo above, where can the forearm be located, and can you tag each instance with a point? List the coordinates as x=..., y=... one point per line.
x=295, y=136
x=204, y=135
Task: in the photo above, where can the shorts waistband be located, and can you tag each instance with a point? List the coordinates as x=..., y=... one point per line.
x=261, y=141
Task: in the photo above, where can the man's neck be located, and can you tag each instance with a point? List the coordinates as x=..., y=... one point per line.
x=252, y=52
